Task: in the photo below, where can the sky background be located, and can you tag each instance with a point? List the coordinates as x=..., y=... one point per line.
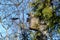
x=8, y=9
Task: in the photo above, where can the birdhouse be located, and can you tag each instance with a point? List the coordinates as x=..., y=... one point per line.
x=34, y=22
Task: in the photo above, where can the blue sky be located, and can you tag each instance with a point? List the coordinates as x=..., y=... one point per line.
x=2, y=31
x=8, y=9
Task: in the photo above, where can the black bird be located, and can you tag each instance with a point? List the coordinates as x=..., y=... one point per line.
x=14, y=18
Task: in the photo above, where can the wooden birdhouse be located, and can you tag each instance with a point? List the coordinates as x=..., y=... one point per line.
x=36, y=24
